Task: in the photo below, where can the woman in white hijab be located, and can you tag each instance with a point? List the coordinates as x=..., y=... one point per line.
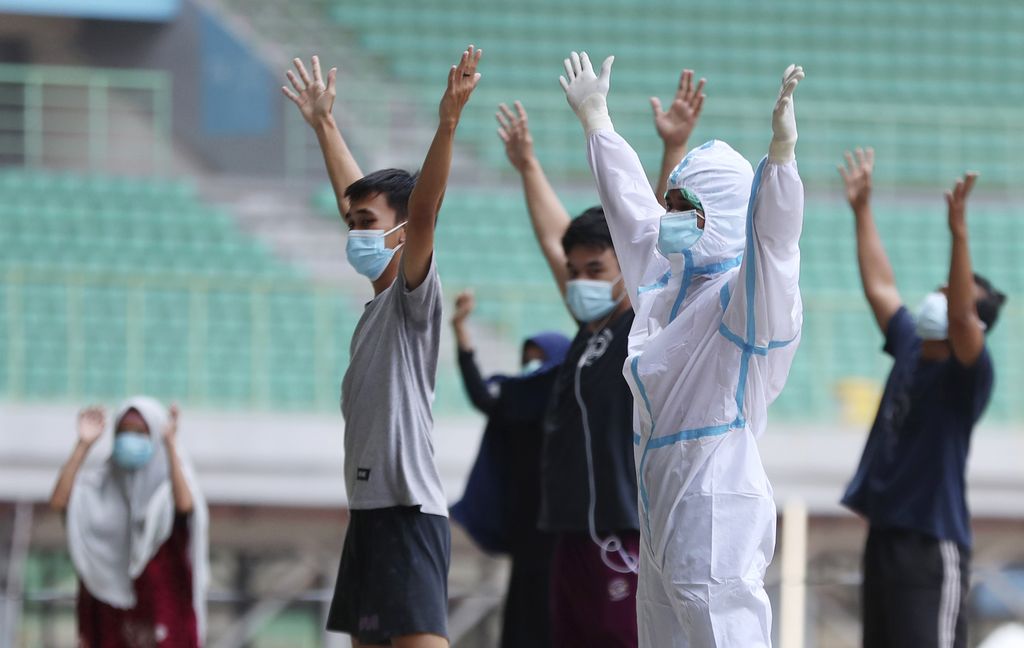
x=136, y=529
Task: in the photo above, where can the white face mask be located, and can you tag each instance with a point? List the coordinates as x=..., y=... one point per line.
x=532, y=366
x=933, y=317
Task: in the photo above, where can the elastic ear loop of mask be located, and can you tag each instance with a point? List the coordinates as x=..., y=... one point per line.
x=612, y=544
x=618, y=301
x=392, y=231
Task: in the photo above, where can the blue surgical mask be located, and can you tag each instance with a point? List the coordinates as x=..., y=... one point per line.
x=367, y=253
x=933, y=317
x=678, y=232
x=132, y=450
x=590, y=299
x=533, y=365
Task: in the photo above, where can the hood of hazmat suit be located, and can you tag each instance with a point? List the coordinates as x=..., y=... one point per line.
x=118, y=519
x=716, y=329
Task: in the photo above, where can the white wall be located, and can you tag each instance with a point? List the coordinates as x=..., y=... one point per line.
x=296, y=459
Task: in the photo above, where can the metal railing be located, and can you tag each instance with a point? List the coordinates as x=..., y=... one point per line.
x=95, y=118
x=133, y=297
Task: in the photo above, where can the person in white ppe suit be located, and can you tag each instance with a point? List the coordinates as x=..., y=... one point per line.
x=714, y=283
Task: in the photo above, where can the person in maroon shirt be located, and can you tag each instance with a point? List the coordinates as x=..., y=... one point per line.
x=136, y=530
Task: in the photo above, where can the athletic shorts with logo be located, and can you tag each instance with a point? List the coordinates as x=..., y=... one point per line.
x=393, y=577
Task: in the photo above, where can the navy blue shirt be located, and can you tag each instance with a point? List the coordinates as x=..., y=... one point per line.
x=912, y=473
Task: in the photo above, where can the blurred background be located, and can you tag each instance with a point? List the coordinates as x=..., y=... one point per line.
x=166, y=228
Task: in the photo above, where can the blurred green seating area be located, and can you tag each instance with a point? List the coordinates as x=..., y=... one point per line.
x=115, y=285
x=928, y=83
x=144, y=228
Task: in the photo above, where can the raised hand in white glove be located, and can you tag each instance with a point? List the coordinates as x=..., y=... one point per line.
x=587, y=92
x=784, y=135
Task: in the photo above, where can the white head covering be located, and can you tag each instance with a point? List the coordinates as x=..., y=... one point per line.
x=721, y=178
x=118, y=519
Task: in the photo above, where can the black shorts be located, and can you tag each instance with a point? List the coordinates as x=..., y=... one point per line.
x=915, y=590
x=393, y=577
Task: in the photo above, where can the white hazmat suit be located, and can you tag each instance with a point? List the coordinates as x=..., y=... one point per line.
x=716, y=329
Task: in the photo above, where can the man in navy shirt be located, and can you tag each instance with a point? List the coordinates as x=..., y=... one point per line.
x=910, y=482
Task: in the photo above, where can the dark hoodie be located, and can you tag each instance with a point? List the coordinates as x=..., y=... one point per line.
x=502, y=499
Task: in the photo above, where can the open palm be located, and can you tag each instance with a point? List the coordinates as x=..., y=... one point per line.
x=91, y=423
x=314, y=98
x=675, y=125
x=514, y=131
x=857, y=176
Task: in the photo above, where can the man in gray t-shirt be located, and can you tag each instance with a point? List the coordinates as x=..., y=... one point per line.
x=392, y=586
x=386, y=397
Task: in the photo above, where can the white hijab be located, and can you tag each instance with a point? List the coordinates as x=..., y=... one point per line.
x=118, y=519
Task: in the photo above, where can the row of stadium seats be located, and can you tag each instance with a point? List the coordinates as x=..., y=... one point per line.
x=929, y=84
x=154, y=229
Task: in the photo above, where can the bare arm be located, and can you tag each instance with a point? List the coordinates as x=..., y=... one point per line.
x=315, y=101
x=966, y=333
x=675, y=125
x=179, y=485
x=548, y=216
x=426, y=197
x=876, y=273
x=91, y=422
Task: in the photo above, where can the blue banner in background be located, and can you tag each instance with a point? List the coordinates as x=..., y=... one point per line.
x=238, y=95
x=149, y=10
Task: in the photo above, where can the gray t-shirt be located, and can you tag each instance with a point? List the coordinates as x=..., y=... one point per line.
x=386, y=398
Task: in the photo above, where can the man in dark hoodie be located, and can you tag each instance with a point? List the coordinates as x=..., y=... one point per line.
x=502, y=499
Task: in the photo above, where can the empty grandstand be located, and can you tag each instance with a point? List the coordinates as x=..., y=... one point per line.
x=164, y=228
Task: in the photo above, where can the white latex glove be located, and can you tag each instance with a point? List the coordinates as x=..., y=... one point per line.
x=587, y=92
x=784, y=136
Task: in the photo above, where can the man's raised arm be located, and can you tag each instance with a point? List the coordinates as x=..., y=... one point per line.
x=549, y=218
x=426, y=197
x=966, y=332
x=675, y=126
x=876, y=273
x=315, y=101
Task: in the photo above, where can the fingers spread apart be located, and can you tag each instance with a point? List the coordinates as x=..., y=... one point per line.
x=511, y=124
x=578, y=64
x=860, y=162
